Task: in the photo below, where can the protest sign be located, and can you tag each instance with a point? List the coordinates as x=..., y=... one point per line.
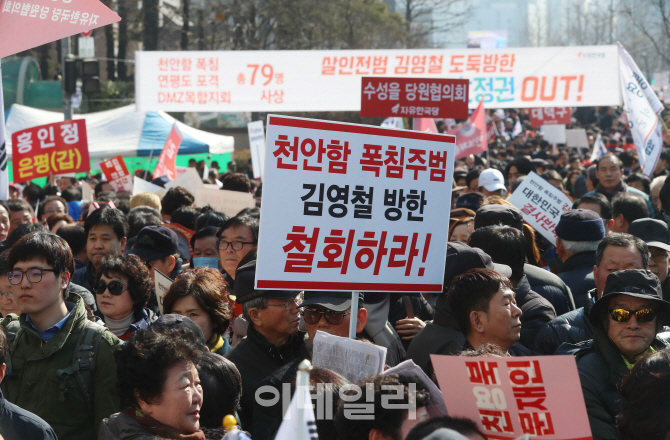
x=471, y=136
x=189, y=179
x=27, y=24
x=162, y=285
x=257, y=147
x=541, y=204
x=576, y=137
x=536, y=395
x=353, y=207
x=56, y=148
x=351, y=358
x=549, y=116
x=554, y=134
x=141, y=185
x=409, y=369
x=330, y=80
x=117, y=174
x=414, y=97
x=228, y=202
x=86, y=192
x=167, y=161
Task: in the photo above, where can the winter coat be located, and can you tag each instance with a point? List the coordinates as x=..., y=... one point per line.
x=601, y=371
x=17, y=423
x=256, y=358
x=577, y=273
x=397, y=311
x=35, y=386
x=627, y=188
x=122, y=427
x=571, y=328
x=85, y=277
x=536, y=312
x=142, y=318
x=435, y=338
x=550, y=287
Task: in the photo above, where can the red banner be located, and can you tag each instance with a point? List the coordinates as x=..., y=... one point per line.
x=550, y=116
x=117, y=174
x=414, y=97
x=57, y=148
x=471, y=135
x=167, y=162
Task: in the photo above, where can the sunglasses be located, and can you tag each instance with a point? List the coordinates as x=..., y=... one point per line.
x=623, y=315
x=116, y=288
x=313, y=316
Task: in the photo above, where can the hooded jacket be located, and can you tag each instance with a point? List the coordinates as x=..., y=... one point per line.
x=35, y=386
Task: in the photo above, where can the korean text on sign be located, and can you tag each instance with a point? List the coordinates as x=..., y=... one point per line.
x=353, y=207
x=509, y=397
x=117, y=174
x=541, y=204
x=549, y=116
x=414, y=97
x=56, y=148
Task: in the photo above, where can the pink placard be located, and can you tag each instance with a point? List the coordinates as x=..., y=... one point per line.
x=509, y=397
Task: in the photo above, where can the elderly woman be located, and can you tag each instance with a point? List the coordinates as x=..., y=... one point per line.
x=159, y=389
x=122, y=291
x=201, y=295
x=626, y=321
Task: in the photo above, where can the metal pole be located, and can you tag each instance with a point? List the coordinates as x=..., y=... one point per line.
x=67, y=98
x=353, y=318
x=151, y=156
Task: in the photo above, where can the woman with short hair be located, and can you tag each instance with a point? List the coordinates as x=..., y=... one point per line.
x=122, y=290
x=159, y=389
x=201, y=295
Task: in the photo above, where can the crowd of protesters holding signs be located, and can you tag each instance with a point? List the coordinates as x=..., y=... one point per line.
x=92, y=348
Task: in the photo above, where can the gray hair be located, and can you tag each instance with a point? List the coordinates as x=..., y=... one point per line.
x=256, y=303
x=576, y=247
x=623, y=240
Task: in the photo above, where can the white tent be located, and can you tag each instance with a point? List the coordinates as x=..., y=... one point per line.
x=122, y=131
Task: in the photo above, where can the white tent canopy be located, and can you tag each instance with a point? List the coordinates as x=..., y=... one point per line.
x=120, y=131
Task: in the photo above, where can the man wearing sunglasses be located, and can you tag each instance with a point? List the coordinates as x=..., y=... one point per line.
x=331, y=312
x=626, y=322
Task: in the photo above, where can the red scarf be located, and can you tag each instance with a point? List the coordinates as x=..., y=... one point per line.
x=155, y=427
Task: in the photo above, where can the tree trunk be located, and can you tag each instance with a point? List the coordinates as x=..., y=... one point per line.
x=150, y=21
x=123, y=40
x=185, y=26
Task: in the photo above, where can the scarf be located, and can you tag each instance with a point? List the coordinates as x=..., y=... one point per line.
x=215, y=343
x=155, y=427
x=619, y=188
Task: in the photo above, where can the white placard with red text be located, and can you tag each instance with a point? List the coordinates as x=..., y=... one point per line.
x=353, y=207
x=330, y=80
x=541, y=204
x=509, y=397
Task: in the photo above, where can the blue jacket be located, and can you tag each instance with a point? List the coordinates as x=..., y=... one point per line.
x=17, y=423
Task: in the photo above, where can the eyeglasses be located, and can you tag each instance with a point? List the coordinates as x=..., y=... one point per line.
x=623, y=315
x=236, y=245
x=34, y=275
x=289, y=303
x=313, y=316
x=116, y=288
x=4, y=294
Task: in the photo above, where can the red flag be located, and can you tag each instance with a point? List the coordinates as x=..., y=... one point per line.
x=425, y=124
x=471, y=136
x=24, y=25
x=167, y=162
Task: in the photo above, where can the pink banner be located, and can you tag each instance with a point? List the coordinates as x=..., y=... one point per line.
x=509, y=397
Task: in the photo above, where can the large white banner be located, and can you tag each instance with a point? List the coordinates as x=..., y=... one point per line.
x=353, y=207
x=330, y=80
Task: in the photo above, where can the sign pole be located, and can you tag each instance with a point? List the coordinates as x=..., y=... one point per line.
x=354, y=315
x=151, y=156
x=67, y=98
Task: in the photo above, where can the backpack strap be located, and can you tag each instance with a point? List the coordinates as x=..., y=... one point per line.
x=13, y=331
x=83, y=362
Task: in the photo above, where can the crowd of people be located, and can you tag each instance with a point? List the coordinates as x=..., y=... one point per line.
x=88, y=352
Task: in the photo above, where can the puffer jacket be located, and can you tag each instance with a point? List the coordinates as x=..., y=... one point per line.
x=121, y=427
x=536, y=312
x=571, y=328
x=601, y=371
x=550, y=287
x=577, y=273
x=35, y=387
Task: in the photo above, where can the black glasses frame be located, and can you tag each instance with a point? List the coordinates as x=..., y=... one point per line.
x=328, y=314
x=37, y=272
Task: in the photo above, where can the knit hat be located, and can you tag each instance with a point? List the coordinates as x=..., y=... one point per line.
x=580, y=225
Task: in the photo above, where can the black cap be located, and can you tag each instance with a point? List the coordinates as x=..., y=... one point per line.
x=653, y=232
x=461, y=258
x=155, y=242
x=580, y=225
x=336, y=301
x=245, y=282
x=470, y=200
x=160, y=181
x=171, y=320
x=491, y=215
x=638, y=283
